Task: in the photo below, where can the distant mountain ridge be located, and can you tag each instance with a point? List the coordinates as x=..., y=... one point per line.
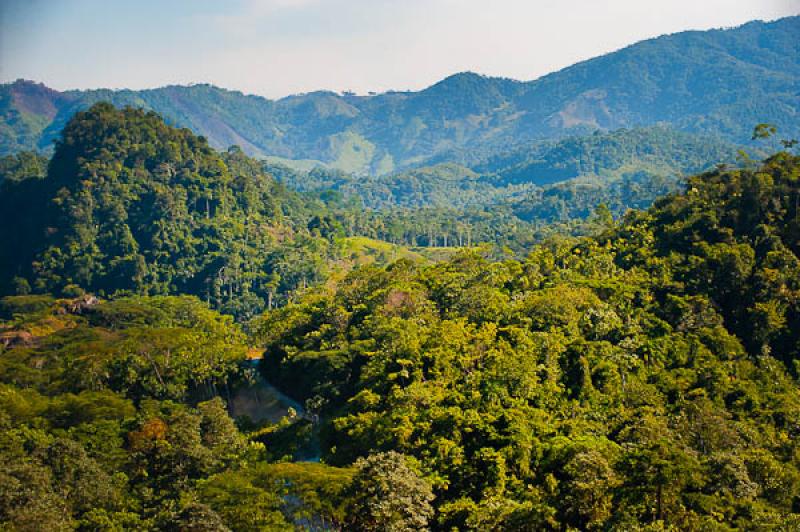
x=717, y=82
x=651, y=155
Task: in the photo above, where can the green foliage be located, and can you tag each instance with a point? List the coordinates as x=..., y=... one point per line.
x=241, y=504
x=645, y=377
x=506, y=198
x=317, y=494
x=632, y=166
x=22, y=165
x=133, y=206
x=110, y=415
x=388, y=495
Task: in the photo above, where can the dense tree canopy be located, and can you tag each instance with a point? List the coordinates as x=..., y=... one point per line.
x=648, y=375
x=643, y=376
x=131, y=205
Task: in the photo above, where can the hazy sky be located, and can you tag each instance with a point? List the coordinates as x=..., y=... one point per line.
x=279, y=47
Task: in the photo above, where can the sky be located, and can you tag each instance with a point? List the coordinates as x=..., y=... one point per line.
x=279, y=47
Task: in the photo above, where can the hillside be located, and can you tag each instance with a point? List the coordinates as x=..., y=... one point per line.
x=648, y=156
x=642, y=379
x=131, y=205
x=716, y=82
x=557, y=305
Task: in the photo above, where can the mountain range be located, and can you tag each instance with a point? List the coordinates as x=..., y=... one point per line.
x=565, y=304
x=720, y=82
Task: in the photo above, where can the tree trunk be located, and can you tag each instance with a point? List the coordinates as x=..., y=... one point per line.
x=659, y=503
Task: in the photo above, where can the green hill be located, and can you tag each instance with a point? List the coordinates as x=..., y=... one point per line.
x=605, y=167
x=643, y=378
x=131, y=205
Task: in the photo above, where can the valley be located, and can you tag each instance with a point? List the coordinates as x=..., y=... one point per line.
x=571, y=303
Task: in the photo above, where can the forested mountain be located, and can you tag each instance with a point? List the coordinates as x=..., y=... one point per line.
x=714, y=82
x=645, y=378
x=650, y=156
x=131, y=205
x=565, y=304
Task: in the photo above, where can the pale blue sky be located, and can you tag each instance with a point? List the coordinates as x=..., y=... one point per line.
x=279, y=47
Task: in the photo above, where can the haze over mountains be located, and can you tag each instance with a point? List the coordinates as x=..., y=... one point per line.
x=719, y=82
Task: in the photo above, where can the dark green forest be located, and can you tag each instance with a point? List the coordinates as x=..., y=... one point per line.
x=568, y=359
x=129, y=205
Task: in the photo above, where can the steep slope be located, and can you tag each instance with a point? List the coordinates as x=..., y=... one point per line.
x=719, y=81
x=131, y=205
x=27, y=110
